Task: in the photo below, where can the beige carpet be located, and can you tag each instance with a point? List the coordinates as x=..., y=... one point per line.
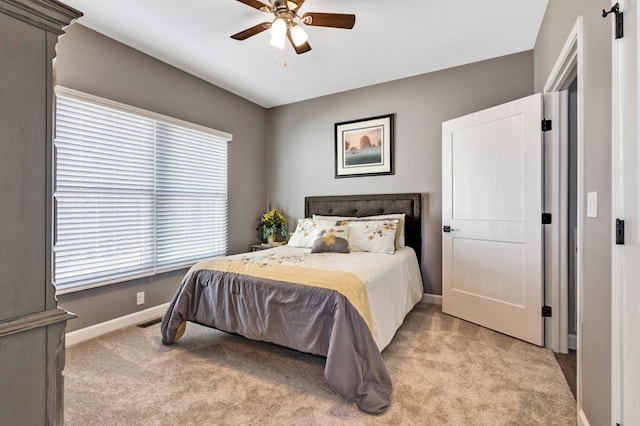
x=444, y=371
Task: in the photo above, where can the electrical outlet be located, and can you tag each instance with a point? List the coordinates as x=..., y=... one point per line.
x=140, y=298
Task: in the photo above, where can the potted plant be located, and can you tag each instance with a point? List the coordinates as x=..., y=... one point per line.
x=270, y=222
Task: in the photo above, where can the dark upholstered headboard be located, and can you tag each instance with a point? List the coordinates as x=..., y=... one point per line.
x=376, y=204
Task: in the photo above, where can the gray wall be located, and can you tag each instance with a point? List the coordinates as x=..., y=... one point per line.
x=595, y=331
x=301, y=139
x=92, y=63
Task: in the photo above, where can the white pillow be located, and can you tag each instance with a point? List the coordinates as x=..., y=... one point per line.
x=307, y=231
x=304, y=234
x=400, y=231
x=324, y=223
x=375, y=236
x=400, y=240
x=333, y=219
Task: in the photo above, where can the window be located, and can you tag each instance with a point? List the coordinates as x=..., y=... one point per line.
x=135, y=193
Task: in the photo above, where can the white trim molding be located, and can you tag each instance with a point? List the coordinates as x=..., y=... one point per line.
x=625, y=203
x=434, y=299
x=97, y=330
x=582, y=419
x=569, y=65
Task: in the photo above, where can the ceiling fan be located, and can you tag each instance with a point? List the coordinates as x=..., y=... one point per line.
x=286, y=23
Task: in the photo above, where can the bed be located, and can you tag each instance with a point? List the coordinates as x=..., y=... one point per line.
x=345, y=307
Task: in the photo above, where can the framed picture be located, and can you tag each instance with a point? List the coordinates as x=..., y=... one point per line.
x=365, y=147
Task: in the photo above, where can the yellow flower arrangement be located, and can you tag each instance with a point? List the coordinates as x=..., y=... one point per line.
x=271, y=221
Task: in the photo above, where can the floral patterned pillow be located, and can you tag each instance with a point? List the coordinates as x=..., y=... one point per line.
x=304, y=234
x=399, y=230
x=400, y=240
x=376, y=236
x=332, y=240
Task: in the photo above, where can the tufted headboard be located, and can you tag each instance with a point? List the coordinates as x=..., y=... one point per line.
x=376, y=204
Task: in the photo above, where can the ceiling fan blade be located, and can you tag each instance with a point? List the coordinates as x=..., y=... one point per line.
x=256, y=29
x=303, y=48
x=257, y=5
x=334, y=20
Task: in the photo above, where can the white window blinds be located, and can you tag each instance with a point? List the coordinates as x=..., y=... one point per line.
x=135, y=193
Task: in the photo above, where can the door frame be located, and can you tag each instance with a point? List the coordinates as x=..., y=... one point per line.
x=568, y=65
x=625, y=107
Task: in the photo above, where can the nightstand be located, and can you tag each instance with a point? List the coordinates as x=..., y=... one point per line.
x=264, y=246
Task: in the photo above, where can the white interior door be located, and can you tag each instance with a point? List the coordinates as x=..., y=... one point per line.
x=492, y=203
x=626, y=206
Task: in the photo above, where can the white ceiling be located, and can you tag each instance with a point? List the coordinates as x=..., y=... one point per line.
x=390, y=40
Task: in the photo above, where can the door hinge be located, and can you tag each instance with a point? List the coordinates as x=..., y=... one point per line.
x=546, y=218
x=619, y=232
x=546, y=311
x=619, y=19
x=546, y=125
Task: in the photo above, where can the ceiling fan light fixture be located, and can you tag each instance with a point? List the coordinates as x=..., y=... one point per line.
x=298, y=35
x=278, y=42
x=278, y=33
x=278, y=28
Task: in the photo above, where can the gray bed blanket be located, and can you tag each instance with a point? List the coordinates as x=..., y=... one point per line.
x=309, y=319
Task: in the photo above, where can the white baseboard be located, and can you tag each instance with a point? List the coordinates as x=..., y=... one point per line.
x=572, y=342
x=434, y=299
x=96, y=330
x=582, y=419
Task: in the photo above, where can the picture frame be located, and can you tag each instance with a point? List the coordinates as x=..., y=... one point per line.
x=364, y=147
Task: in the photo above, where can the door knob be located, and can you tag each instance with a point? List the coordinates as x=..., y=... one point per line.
x=447, y=228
